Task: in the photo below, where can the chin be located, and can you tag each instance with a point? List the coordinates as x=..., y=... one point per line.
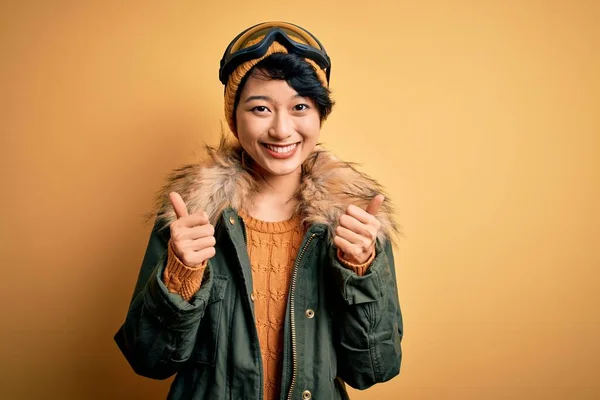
x=283, y=170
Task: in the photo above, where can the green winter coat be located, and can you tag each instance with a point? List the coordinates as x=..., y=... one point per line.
x=339, y=327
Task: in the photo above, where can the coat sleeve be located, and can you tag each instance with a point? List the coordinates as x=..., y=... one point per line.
x=160, y=328
x=369, y=321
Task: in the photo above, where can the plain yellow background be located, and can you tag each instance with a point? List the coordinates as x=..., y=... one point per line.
x=480, y=117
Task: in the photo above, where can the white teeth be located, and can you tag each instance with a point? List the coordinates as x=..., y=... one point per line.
x=281, y=150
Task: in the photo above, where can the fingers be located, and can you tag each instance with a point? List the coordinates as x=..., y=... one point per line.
x=352, y=252
x=362, y=215
x=192, y=235
x=367, y=216
x=184, y=219
x=357, y=230
x=181, y=211
x=367, y=229
x=194, y=251
x=363, y=222
x=207, y=253
x=191, y=222
x=202, y=243
x=194, y=258
x=345, y=246
x=375, y=204
x=353, y=237
x=198, y=232
x=178, y=205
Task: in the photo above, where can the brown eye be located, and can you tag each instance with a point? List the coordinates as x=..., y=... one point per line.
x=301, y=107
x=260, y=109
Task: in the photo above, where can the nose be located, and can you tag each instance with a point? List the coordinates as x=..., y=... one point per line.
x=282, y=126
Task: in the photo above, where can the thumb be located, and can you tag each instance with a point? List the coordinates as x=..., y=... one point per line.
x=178, y=205
x=375, y=204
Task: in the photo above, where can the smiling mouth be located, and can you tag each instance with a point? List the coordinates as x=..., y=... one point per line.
x=281, y=149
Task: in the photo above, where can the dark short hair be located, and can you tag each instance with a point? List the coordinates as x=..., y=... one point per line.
x=298, y=73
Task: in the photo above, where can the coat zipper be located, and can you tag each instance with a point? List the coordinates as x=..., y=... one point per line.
x=292, y=319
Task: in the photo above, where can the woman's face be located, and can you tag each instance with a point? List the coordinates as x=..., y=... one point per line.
x=277, y=127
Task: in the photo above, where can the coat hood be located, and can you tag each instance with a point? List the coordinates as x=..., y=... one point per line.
x=328, y=186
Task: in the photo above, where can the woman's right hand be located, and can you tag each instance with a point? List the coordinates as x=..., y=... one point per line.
x=192, y=235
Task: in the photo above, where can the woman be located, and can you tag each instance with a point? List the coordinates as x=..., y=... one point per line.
x=269, y=273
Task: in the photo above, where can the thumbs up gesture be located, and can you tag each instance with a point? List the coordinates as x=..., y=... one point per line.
x=192, y=235
x=357, y=231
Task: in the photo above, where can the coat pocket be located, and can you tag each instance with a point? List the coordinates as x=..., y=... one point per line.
x=211, y=324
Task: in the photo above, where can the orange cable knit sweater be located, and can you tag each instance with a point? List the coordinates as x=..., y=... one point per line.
x=272, y=249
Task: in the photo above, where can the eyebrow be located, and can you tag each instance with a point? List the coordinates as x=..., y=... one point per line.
x=266, y=98
x=249, y=99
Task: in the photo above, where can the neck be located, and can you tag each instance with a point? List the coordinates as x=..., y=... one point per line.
x=280, y=185
x=276, y=197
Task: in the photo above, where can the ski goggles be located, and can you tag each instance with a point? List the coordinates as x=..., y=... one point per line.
x=294, y=38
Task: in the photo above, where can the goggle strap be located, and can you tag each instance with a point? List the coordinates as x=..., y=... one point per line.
x=259, y=49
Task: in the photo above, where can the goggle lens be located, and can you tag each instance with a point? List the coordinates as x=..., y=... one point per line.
x=295, y=33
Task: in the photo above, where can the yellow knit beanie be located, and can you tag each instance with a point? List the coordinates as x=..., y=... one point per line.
x=238, y=74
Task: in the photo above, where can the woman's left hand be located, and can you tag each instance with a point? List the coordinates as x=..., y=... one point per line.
x=357, y=231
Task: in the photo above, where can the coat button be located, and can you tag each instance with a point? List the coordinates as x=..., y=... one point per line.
x=252, y=297
x=306, y=395
x=232, y=220
x=309, y=313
